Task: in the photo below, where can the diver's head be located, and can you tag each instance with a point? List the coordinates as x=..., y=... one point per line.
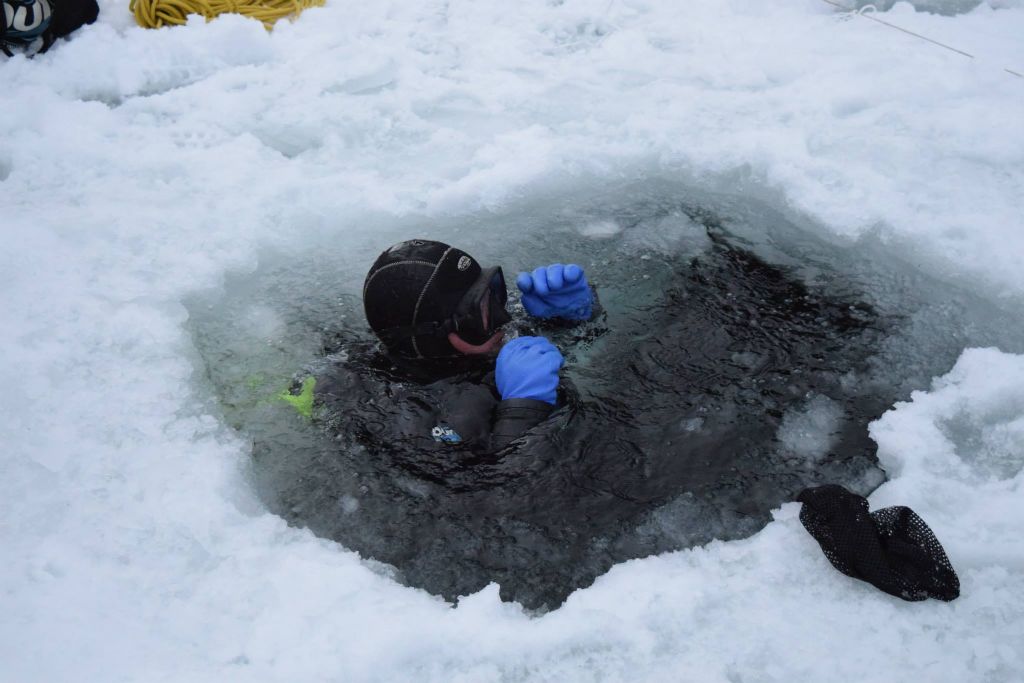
x=427, y=299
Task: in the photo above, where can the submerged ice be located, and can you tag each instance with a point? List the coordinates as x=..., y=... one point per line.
x=810, y=430
x=715, y=387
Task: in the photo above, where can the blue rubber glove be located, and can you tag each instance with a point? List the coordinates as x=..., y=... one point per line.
x=527, y=367
x=556, y=292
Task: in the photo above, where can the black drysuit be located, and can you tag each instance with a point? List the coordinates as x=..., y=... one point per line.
x=427, y=408
x=430, y=405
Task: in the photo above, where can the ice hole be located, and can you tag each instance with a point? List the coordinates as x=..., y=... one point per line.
x=735, y=339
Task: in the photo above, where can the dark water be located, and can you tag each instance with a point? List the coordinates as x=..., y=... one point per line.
x=739, y=361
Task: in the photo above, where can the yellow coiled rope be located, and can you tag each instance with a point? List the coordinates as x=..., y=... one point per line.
x=157, y=13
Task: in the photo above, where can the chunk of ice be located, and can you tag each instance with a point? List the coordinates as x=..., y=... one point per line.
x=811, y=432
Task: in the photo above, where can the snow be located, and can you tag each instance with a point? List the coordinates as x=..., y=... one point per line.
x=138, y=167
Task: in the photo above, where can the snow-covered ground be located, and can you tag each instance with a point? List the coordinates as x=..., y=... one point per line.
x=138, y=167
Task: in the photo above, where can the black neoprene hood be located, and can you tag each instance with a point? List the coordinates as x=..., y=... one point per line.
x=413, y=285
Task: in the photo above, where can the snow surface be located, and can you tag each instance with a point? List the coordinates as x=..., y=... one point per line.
x=137, y=167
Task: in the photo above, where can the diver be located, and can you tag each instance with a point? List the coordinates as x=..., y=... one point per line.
x=441, y=317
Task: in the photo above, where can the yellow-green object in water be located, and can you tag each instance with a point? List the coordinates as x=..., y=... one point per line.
x=303, y=403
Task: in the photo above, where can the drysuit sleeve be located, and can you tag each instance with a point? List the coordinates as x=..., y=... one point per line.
x=514, y=417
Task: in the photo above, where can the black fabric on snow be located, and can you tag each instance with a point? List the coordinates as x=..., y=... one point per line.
x=22, y=22
x=68, y=16
x=892, y=548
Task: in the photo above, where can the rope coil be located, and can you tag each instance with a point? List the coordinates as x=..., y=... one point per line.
x=157, y=13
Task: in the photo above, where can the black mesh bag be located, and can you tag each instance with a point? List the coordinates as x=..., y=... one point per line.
x=892, y=548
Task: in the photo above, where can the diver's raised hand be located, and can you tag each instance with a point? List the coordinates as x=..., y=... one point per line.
x=527, y=367
x=556, y=291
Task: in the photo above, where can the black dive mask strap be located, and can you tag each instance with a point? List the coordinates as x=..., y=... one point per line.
x=430, y=329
